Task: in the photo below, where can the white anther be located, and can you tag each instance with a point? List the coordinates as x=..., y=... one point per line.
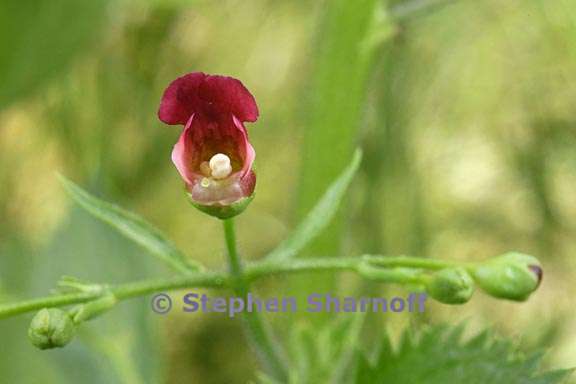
x=220, y=166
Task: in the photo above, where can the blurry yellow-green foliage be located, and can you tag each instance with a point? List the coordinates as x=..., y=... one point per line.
x=467, y=121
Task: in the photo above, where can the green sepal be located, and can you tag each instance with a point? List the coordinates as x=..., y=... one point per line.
x=224, y=211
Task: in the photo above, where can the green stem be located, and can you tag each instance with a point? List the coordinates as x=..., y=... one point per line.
x=267, y=348
x=411, y=262
x=266, y=268
x=208, y=279
x=122, y=292
x=233, y=257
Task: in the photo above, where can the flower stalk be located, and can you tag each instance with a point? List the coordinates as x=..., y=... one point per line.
x=266, y=347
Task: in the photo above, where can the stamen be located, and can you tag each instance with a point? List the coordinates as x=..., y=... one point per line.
x=220, y=166
x=205, y=169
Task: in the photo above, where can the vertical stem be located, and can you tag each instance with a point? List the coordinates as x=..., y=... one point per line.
x=267, y=349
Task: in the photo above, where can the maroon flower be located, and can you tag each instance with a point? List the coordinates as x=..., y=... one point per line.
x=213, y=154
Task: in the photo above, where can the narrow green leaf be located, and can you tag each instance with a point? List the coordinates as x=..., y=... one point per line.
x=320, y=216
x=132, y=226
x=324, y=354
x=335, y=107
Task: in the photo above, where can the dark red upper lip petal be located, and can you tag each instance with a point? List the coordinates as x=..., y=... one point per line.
x=180, y=100
x=223, y=94
x=212, y=97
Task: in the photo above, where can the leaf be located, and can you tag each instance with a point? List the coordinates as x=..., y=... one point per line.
x=438, y=355
x=322, y=355
x=132, y=226
x=320, y=216
x=335, y=105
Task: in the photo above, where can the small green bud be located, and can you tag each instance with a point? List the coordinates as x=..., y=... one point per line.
x=512, y=276
x=450, y=286
x=225, y=211
x=51, y=328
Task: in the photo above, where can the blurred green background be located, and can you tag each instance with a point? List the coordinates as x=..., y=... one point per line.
x=465, y=111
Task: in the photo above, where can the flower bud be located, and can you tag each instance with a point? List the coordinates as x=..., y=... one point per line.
x=512, y=276
x=450, y=286
x=51, y=328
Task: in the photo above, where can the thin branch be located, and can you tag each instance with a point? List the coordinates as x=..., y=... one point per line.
x=207, y=279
